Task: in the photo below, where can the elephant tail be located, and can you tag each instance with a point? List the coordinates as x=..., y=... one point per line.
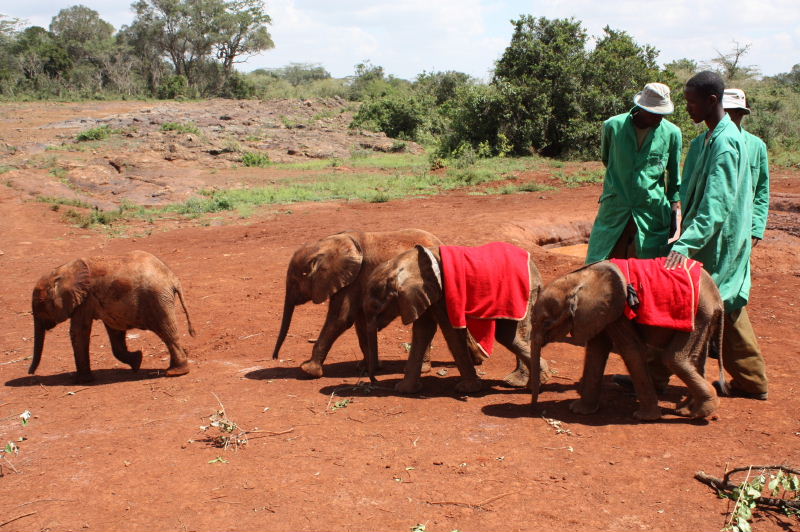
x=179, y=291
x=720, y=324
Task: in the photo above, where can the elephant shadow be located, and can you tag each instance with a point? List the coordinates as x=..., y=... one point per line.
x=101, y=377
x=339, y=370
x=433, y=386
x=617, y=409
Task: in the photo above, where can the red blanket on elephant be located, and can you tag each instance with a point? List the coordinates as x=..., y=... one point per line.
x=667, y=298
x=485, y=283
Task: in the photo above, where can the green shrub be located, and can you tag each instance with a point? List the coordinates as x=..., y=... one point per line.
x=181, y=128
x=258, y=159
x=174, y=87
x=96, y=133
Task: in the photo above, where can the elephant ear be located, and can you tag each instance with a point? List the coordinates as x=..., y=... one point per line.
x=417, y=279
x=597, y=299
x=336, y=265
x=70, y=287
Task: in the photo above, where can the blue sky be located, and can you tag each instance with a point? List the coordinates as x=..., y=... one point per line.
x=407, y=37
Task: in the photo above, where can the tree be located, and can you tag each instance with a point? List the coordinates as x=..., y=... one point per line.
x=730, y=66
x=192, y=34
x=616, y=70
x=82, y=32
x=540, y=76
x=243, y=32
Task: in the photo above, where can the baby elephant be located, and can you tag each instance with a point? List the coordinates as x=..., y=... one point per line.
x=410, y=286
x=131, y=291
x=590, y=303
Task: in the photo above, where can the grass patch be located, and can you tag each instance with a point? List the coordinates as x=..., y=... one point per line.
x=524, y=187
x=5, y=168
x=57, y=202
x=388, y=161
x=582, y=177
x=785, y=157
x=257, y=159
x=187, y=127
x=95, y=133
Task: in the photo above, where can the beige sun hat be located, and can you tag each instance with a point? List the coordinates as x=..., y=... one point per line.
x=655, y=98
x=735, y=99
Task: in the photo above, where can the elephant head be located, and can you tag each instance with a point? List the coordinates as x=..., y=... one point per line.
x=406, y=286
x=316, y=272
x=55, y=298
x=581, y=304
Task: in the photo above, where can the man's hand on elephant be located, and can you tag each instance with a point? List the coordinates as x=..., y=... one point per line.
x=674, y=260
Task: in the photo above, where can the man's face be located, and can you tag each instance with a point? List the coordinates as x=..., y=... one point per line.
x=736, y=115
x=698, y=106
x=644, y=119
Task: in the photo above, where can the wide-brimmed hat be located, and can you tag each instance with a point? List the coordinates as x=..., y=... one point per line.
x=655, y=98
x=735, y=99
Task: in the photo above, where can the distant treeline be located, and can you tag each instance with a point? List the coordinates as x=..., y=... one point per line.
x=548, y=94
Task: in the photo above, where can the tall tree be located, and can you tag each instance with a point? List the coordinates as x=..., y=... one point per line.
x=540, y=75
x=242, y=32
x=81, y=30
x=730, y=66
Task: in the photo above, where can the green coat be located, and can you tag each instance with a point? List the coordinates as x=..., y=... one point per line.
x=759, y=173
x=639, y=183
x=717, y=202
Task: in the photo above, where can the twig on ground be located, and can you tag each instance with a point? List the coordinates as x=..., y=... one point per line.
x=479, y=506
x=16, y=518
x=725, y=485
x=73, y=392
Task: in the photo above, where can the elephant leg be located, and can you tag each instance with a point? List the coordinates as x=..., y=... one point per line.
x=337, y=321
x=633, y=352
x=681, y=357
x=516, y=338
x=364, y=342
x=594, y=365
x=457, y=342
x=80, y=332
x=119, y=347
x=422, y=332
x=166, y=328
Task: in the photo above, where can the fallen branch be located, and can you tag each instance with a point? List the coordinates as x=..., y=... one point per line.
x=724, y=485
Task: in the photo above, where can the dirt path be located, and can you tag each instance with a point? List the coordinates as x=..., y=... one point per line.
x=125, y=453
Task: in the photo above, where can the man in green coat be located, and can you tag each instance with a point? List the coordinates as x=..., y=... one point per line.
x=717, y=200
x=734, y=102
x=642, y=154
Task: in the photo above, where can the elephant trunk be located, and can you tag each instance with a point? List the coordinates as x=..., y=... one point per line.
x=534, y=380
x=288, y=310
x=39, y=331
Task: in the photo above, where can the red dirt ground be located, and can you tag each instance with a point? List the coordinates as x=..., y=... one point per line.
x=126, y=453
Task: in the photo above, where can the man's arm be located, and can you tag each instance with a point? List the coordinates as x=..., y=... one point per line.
x=715, y=204
x=674, y=168
x=761, y=195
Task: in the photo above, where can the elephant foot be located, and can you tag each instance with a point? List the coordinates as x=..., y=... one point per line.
x=312, y=368
x=134, y=360
x=704, y=409
x=467, y=386
x=647, y=413
x=176, y=371
x=84, y=377
x=408, y=386
x=579, y=406
x=517, y=378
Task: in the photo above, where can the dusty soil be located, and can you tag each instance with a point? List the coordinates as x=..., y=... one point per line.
x=127, y=452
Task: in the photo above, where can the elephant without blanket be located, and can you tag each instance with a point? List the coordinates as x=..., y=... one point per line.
x=131, y=291
x=589, y=303
x=408, y=286
x=336, y=268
